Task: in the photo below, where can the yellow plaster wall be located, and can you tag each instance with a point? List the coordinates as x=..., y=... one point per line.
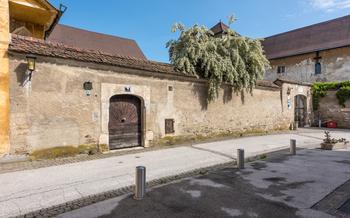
x=36, y=15
x=4, y=77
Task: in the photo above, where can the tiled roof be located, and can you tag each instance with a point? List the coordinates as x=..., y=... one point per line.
x=40, y=47
x=84, y=39
x=323, y=36
x=266, y=83
x=279, y=82
x=219, y=28
x=29, y=45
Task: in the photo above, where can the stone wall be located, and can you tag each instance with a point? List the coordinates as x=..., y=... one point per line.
x=329, y=109
x=53, y=110
x=335, y=67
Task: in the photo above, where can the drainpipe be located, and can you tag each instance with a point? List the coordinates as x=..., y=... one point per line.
x=4, y=77
x=61, y=11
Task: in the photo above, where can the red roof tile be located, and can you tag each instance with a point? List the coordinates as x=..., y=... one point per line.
x=323, y=36
x=219, y=28
x=29, y=45
x=84, y=39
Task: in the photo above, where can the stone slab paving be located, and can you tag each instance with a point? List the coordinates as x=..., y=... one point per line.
x=280, y=186
x=319, y=133
x=31, y=190
x=258, y=145
x=25, y=191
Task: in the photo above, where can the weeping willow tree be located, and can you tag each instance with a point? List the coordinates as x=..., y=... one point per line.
x=231, y=58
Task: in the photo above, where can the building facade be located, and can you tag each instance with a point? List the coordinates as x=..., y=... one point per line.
x=62, y=94
x=317, y=53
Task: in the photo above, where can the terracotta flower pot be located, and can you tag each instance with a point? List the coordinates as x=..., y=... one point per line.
x=327, y=146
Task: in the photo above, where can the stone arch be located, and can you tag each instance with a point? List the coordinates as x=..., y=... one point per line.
x=300, y=110
x=125, y=123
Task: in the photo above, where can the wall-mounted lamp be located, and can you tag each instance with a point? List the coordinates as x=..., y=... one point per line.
x=31, y=59
x=88, y=87
x=289, y=90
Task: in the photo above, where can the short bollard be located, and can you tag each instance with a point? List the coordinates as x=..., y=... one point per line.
x=240, y=159
x=293, y=147
x=140, y=183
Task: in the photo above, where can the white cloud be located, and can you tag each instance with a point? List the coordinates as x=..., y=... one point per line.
x=330, y=5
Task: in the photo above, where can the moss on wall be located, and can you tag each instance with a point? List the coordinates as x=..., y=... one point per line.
x=67, y=151
x=189, y=139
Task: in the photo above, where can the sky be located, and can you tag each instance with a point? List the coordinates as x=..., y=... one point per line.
x=149, y=22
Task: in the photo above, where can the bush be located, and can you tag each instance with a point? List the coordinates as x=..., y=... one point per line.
x=319, y=90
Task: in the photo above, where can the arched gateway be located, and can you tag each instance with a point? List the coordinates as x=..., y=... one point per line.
x=300, y=110
x=125, y=123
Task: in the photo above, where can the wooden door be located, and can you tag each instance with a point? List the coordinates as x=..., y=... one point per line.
x=300, y=110
x=124, y=122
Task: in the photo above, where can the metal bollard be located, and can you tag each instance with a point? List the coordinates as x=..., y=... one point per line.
x=293, y=147
x=240, y=159
x=140, y=183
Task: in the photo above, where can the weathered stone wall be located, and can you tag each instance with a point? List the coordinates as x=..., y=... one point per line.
x=54, y=110
x=4, y=77
x=329, y=109
x=289, y=91
x=335, y=67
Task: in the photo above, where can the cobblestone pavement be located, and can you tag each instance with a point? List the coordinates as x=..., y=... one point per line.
x=13, y=166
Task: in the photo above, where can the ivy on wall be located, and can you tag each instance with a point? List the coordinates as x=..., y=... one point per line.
x=319, y=90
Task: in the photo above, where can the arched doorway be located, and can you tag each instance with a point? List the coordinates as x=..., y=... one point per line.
x=125, y=122
x=300, y=110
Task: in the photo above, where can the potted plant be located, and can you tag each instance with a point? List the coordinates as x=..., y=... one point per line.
x=330, y=143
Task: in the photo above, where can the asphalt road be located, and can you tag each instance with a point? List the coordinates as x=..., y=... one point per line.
x=280, y=186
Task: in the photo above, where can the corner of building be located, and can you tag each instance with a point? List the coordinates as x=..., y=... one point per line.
x=4, y=77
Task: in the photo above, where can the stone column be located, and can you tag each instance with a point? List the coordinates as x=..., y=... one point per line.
x=4, y=77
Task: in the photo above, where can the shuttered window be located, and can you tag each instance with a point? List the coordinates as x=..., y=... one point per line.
x=169, y=126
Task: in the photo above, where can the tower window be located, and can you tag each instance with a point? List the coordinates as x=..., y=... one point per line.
x=318, y=68
x=281, y=69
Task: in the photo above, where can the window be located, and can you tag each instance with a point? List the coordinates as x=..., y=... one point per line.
x=318, y=68
x=281, y=69
x=170, y=88
x=169, y=126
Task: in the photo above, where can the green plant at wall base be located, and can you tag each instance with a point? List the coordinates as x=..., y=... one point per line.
x=53, y=153
x=65, y=151
x=319, y=90
x=229, y=58
x=343, y=94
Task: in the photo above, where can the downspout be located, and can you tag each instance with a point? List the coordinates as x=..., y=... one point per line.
x=4, y=78
x=60, y=13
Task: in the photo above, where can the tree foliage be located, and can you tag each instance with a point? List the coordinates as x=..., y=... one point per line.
x=229, y=58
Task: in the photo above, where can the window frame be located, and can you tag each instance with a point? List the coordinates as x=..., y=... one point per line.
x=169, y=126
x=281, y=69
x=318, y=68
